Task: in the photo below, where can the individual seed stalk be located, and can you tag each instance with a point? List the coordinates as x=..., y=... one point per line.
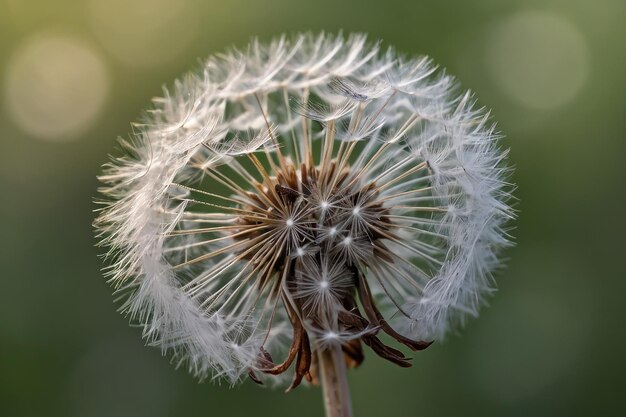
x=280, y=211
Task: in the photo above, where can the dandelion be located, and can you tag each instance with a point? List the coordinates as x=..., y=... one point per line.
x=291, y=203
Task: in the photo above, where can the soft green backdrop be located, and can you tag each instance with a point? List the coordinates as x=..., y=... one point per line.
x=74, y=73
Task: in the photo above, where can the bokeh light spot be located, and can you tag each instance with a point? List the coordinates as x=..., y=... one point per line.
x=538, y=58
x=55, y=87
x=142, y=33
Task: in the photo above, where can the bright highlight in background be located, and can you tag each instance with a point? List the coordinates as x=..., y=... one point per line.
x=55, y=87
x=538, y=59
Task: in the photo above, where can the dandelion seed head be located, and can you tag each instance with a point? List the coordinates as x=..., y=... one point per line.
x=309, y=192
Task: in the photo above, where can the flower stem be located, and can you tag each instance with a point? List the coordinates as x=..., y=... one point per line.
x=332, y=368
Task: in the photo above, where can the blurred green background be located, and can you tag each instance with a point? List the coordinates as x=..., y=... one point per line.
x=74, y=73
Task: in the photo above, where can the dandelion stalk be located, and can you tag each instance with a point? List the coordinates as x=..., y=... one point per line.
x=335, y=383
x=279, y=212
